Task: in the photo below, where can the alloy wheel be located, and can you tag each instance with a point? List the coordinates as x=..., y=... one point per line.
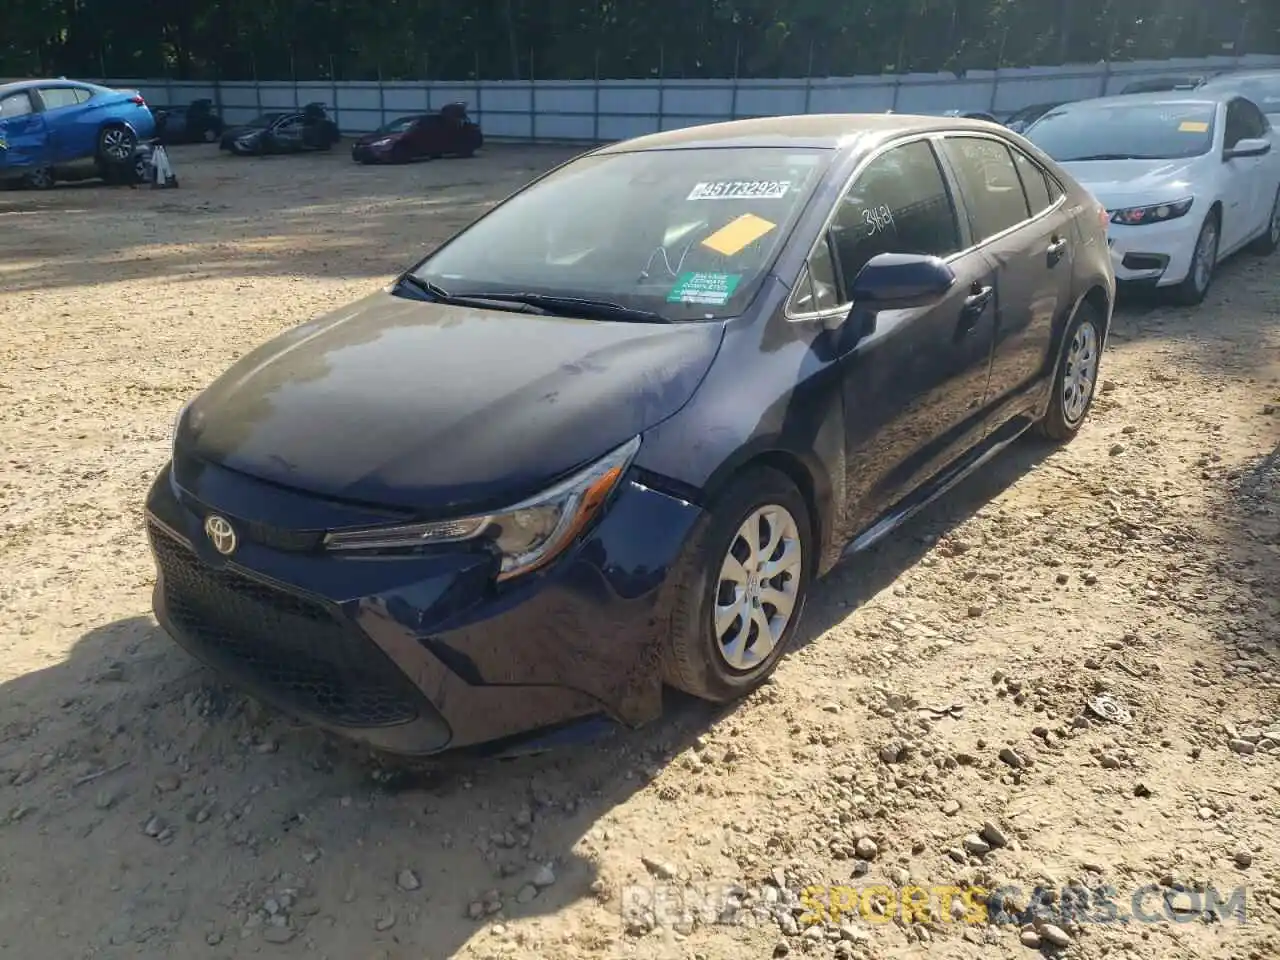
x=1081, y=372
x=758, y=587
x=1205, y=256
x=1275, y=221
x=41, y=178
x=117, y=144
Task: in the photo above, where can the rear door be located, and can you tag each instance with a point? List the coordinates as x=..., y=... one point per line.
x=69, y=139
x=913, y=380
x=1018, y=214
x=23, y=136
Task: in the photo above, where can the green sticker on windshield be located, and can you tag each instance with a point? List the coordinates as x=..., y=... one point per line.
x=709, y=288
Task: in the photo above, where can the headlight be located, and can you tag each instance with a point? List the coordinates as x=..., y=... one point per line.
x=527, y=536
x=1155, y=213
x=384, y=142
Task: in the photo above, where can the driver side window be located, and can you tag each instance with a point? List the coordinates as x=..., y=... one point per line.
x=1243, y=123
x=899, y=203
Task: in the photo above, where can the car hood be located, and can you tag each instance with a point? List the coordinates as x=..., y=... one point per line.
x=1121, y=183
x=440, y=409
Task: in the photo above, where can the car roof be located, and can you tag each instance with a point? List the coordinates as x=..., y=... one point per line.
x=1167, y=98
x=20, y=85
x=829, y=131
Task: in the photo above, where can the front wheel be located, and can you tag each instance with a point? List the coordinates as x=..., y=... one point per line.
x=1270, y=240
x=41, y=178
x=1204, y=262
x=740, y=589
x=1076, y=377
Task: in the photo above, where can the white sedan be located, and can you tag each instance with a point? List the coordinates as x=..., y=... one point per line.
x=1188, y=179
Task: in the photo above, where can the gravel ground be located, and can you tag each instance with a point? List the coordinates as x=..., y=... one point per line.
x=148, y=811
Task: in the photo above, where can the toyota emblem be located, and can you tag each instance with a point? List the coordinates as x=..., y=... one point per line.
x=221, y=534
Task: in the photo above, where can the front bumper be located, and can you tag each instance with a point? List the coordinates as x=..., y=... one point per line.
x=363, y=153
x=1156, y=254
x=415, y=655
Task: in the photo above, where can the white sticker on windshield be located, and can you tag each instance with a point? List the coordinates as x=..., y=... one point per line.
x=740, y=190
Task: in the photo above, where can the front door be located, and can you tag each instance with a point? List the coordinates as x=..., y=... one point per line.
x=23, y=136
x=1019, y=216
x=1246, y=210
x=914, y=380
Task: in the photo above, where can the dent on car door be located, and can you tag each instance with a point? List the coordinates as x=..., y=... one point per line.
x=22, y=131
x=61, y=110
x=1018, y=213
x=913, y=379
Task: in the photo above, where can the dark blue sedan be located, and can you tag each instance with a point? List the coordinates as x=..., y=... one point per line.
x=607, y=435
x=50, y=127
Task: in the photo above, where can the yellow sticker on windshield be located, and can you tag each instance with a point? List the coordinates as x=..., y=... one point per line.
x=738, y=234
x=1193, y=126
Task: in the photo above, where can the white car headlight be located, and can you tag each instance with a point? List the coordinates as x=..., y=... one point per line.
x=527, y=536
x=1152, y=213
x=384, y=142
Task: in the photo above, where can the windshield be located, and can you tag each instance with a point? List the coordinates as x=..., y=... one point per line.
x=1130, y=131
x=687, y=234
x=399, y=125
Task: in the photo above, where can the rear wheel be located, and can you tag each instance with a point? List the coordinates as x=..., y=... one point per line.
x=1204, y=262
x=741, y=588
x=1076, y=377
x=116, y=144
x=1269, y=241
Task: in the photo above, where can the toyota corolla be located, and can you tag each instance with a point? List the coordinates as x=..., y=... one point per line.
x=610, y=433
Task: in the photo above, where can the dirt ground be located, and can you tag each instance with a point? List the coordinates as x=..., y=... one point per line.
x=148, y=811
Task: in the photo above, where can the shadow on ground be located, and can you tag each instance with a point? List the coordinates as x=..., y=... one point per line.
x=130, y=746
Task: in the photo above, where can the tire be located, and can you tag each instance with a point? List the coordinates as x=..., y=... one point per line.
x=1270, y=241
x=1076, y=379
x=1192, y=290
x=41, y=178
x=116, y=144
x=694, y=659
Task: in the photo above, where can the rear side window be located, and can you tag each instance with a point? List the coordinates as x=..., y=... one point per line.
x=83, y=95
x=55, y=98
x=16, y=105
x=989, y=180
x=898, y=204
x=1034, y=182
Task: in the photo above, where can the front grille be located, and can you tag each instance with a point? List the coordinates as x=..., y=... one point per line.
x=295, y=648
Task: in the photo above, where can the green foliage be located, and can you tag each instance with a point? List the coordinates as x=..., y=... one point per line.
x=572, y=39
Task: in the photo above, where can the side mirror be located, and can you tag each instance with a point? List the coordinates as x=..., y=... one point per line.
x=1253, y=147
x=897, y=281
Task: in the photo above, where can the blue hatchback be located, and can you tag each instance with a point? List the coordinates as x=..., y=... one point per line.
x=48, y=127
x=608, y=434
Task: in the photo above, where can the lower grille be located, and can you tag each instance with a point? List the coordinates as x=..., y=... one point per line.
x=292, y=647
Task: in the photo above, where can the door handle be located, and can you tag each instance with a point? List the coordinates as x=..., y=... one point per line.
x=1056, y=249
x=974, y=305
x=977, y=301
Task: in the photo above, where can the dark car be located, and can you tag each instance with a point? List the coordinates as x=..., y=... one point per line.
x=285, y=132
x=423, y=136
x=1023, y=118
x=197, y=122
x=609, y=434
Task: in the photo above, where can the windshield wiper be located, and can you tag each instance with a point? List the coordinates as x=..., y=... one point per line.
x=576, y=306
x=1111, y=156
x=441, y=295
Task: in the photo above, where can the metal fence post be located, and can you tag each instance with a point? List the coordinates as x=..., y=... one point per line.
x=662, y=84
x=382, y=97
x=257, y=86
x=479, y=93
x=595, y=108
x=808, y=80
x=733, y=99
x=533, y=100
